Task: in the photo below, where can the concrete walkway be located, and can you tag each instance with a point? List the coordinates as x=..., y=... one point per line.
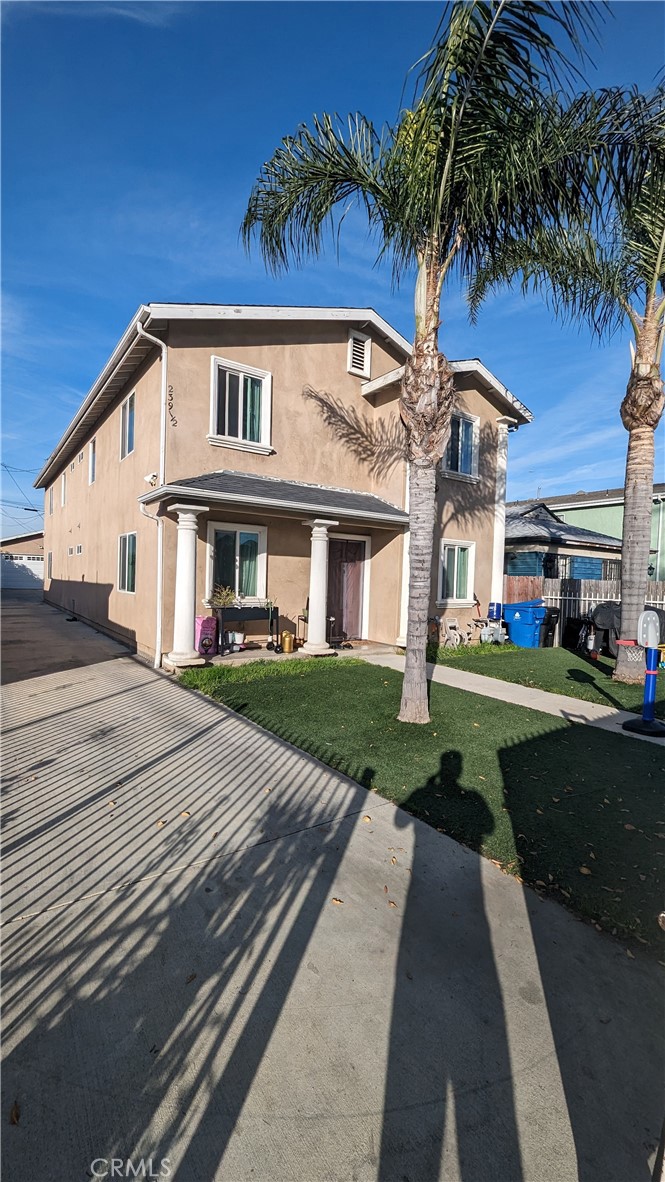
x=571, y=709
x=219, y=952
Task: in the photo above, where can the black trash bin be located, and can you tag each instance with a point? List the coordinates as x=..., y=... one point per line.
x=548, y=626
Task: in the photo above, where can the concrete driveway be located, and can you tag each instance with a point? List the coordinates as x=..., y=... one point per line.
x=221, y=953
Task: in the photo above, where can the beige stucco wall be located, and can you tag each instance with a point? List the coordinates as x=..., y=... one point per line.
x=296, y=354
x=465, y=507
x=96, y=514
x=34, y=546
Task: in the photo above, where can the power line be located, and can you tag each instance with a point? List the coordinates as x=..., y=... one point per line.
x=13, y=468
x=15, y=481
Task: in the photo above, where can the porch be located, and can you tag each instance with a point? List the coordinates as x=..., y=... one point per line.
x=328, y=562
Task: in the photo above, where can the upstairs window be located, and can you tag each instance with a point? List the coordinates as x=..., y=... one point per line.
x=461, y=456
x=240, y=406
x=50, y=501
x=63, y=489
x=127, y=427
x=359, y=356
x=92, y=461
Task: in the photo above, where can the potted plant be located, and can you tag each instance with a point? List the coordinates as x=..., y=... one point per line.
x=226, y=597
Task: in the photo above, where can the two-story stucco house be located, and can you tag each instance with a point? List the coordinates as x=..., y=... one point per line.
x=259, y=448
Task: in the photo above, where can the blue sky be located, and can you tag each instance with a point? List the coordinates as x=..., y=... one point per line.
x=132, y=133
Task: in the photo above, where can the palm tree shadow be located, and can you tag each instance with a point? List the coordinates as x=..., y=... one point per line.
x=581, y=678
x=449, y=1061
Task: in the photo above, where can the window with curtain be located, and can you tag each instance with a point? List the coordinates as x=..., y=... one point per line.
x=239, y=397
x=456, y=571
x=461, y=452
x=127, y=562
x=236, y=561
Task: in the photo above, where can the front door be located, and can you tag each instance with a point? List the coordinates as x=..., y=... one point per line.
x=346, y=557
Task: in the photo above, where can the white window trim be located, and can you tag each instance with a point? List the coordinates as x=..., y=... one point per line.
x=79, y=548
x=365, y=372
x=50, y=501
x=123, y=590
x=471, y=572
x=92, y=450
x=261, y=564
x=63, y=490
x=472, y=477
x=125, y=402
x=364, y=609
x=264, y=446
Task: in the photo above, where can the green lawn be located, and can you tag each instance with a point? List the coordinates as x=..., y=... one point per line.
x=555, y=669
x=572, y=810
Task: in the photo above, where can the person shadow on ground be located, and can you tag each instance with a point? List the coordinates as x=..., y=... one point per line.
x=449, y=1104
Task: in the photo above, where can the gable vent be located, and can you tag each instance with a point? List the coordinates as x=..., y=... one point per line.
x=359, y=354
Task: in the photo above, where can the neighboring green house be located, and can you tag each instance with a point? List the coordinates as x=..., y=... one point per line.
x=603, y=511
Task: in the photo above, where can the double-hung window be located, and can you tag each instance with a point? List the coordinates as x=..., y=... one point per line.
x=127, y=427
x=461, y=458
x=92, y=461
x=240, y=411
x=63, y=489
x=127, y=562
x=456, y=572
x=50, y=501
x=237, y=559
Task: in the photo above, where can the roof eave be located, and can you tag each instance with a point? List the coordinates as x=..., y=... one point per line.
x=473, y=365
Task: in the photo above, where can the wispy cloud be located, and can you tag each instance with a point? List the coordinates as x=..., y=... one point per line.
x=154, y=13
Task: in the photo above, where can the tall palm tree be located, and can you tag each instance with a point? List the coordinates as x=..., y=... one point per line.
x=481, y=155
x=610, y=273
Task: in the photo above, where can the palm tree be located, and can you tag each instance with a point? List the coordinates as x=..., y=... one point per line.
x=481, y=156
x=608, y=273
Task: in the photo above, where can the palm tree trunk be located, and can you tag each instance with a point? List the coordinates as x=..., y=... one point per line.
x=425, y=407
x=635, y=546
x=415, y=703
x=641, y=411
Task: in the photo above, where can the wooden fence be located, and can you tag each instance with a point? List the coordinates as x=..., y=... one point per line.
x=573, y=597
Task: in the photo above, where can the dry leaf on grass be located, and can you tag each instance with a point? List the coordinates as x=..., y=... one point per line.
x=337, y=901
x=628, y=825
x=584, y=870
x=630, y=954
x=15, y=1113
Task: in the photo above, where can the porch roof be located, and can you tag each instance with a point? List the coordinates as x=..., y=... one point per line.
x=270, y=492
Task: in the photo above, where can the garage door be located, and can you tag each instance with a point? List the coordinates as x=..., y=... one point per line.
x=22, y=572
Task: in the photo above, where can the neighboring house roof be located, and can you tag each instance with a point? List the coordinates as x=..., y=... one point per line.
x=535, y=522
x=473, y=365
x=132, y=349
x=270, y=492
x=22, y=538
x=605, y=496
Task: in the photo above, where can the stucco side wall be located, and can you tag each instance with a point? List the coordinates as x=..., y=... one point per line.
x=296, y=354
x=94, y=516
x=465, y=507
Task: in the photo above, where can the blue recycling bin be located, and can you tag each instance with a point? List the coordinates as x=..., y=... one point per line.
x=523, y=621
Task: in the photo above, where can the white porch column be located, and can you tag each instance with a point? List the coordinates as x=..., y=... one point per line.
x=318, y=587
x=184, y=611
x=499, y=543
